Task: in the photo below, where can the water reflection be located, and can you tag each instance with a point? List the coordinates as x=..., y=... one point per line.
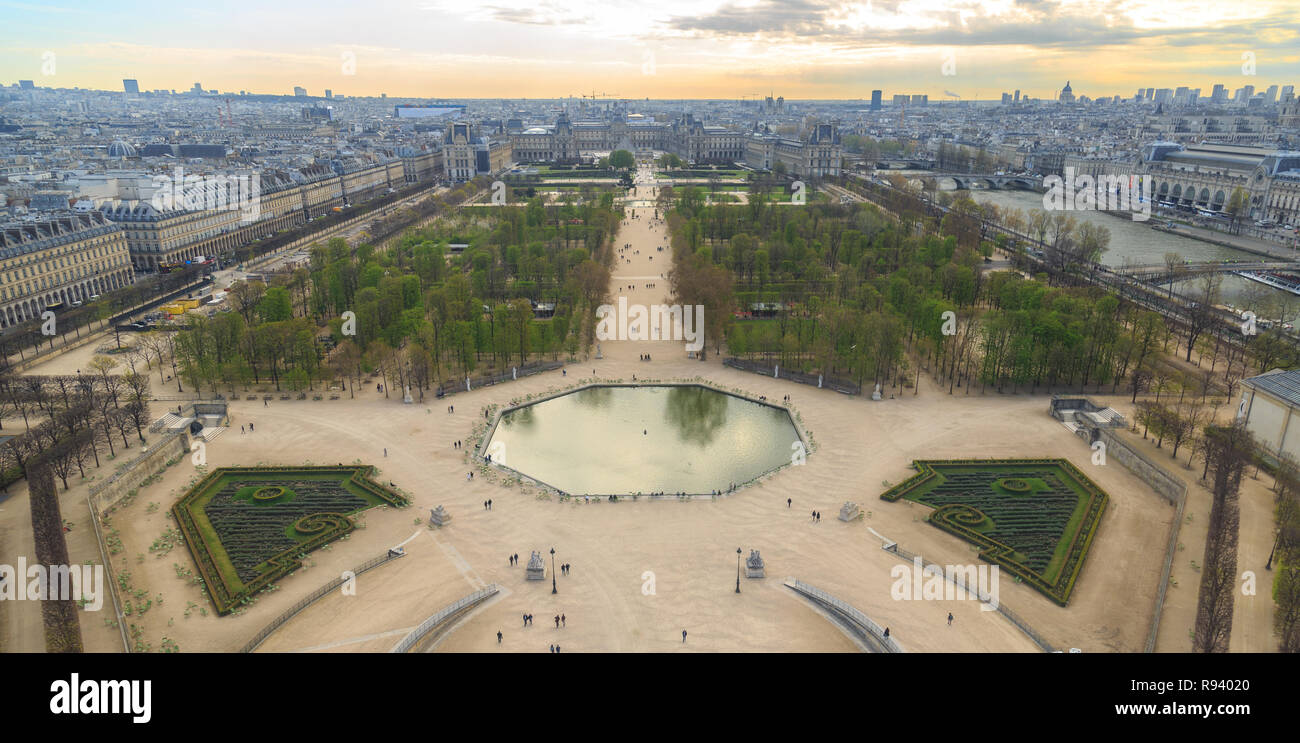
x=697, y=413
x=644, y=439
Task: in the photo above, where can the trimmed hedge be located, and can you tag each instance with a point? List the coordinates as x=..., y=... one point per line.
x=220, y=576
x=962, y=519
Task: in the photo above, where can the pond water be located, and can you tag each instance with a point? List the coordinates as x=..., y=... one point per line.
x=629, y=439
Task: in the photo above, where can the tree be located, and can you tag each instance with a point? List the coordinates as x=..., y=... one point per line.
x=1228, y=450
x=621, y=159
x=1237, y=207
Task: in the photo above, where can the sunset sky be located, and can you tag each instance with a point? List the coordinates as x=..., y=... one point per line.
x=662, y=49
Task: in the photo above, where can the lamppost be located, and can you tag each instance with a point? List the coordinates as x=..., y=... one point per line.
x=553, y=590
x=737, y=570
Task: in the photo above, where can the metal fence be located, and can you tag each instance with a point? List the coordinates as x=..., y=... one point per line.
x=315, y=596
x=473, y=383
x=445, y=613
x=775, y=371
x=850, y=613
x=1011, y=616
x=1166, y=571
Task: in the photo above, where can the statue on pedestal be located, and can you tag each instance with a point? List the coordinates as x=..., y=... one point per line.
x=439, y=516
x=536, y=569
x=876, y=395
x=849, y=511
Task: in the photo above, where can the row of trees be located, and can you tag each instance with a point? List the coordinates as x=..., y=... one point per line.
x=521, y=282
x=71, y=419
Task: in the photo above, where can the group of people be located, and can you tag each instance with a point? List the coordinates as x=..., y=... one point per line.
x=487, y=505
x=645, y=357
x=250, y=428
x=816, y=515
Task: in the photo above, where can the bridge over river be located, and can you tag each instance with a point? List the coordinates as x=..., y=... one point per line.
x=1164, y=273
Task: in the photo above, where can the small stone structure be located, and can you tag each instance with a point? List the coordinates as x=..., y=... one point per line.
x=536, y=567
x=439, y=516
x=849, y=511
x=406, y=396
x=754, y=565
x=875, y=394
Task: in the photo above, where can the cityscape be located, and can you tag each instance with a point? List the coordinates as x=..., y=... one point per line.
x=1007, y=293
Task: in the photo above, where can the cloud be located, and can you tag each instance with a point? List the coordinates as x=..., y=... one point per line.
x=1030, y=23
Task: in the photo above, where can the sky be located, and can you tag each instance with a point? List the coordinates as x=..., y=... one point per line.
x=799, y=49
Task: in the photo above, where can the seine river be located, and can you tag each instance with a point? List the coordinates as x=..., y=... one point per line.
x=1138, y=243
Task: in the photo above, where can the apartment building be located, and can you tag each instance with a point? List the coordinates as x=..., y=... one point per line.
x=66, y=258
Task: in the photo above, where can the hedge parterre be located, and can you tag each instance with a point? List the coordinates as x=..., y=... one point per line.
x=1035, y=518
x=247, y=527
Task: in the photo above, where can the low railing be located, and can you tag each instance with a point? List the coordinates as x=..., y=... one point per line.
x=849, y=613
x=445, y=613
x=315, y=596
x=473, y=383
x=813, y=380
x=112, y=574
x=1011, y=616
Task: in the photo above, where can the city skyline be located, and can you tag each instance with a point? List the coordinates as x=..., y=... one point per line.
x=810, y=50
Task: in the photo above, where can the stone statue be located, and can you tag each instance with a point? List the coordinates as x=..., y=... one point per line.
x=406, y=397
x=536, y=569
x=439, y=516
x=754, y=565
x=876, y=395
x=849, y=511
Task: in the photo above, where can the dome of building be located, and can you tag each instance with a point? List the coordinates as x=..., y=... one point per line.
x=121, y=149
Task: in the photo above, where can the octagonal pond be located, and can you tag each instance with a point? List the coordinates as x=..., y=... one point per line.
x=622, y=439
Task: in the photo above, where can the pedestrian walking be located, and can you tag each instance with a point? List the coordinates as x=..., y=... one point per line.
x=516, y=558
x=250, y=427
x=557, y=621
x=498, y=637
x=886, y=632
x=949, y=619
x=489, y=504
x=789, y=502
x=385, y=451
x=564, y=622
x=265, y=404
x=552, y=648
x=683, y=636
x=241, y=429
x=557, y=648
